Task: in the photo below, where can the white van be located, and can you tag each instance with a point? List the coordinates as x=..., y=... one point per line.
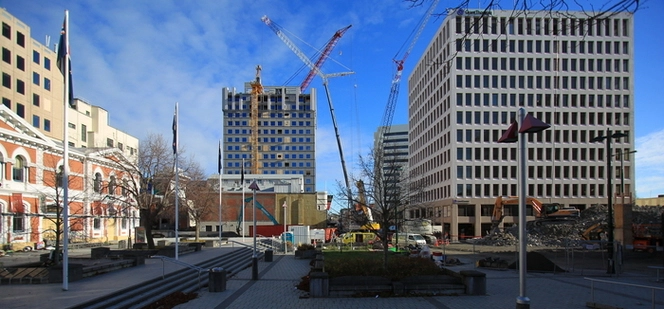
x=404, y=239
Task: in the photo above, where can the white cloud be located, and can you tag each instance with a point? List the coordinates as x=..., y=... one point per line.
x=649, y=161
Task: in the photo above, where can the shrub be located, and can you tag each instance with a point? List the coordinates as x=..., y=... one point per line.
x=371, y=264
x=305, y=247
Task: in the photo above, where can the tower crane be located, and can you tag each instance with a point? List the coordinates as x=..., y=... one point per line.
x=396, y=81
x=280, y=33
x=326, y=52
x=256, y=91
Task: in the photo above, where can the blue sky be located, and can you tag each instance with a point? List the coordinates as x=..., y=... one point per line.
x=137, y=58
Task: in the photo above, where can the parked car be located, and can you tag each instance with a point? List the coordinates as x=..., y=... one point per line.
x=403, y=240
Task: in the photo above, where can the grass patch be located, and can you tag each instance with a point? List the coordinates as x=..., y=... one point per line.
x=370, y=263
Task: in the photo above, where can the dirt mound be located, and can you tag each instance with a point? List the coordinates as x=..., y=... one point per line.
x=537, y=262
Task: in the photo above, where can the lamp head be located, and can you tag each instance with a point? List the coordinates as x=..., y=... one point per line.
x=598, y=138
x=511, y=135
x=533, y=125
x=254, y=186
x=618, y=135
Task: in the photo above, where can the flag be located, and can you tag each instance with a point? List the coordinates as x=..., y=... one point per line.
x=219, y=160
x=242, y=172
x=64, y=60
x=175, y=130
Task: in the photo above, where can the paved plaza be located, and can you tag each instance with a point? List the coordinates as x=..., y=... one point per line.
x=276, y=288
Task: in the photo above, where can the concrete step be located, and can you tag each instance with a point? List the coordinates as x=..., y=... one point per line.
x=184, y=280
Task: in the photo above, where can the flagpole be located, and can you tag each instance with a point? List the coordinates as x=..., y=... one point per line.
x=177, y=173
x=65, y=173
x=242, y=186
x=219, y=171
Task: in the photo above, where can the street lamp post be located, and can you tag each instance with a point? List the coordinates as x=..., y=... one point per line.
x=611, y=268
x=284, y=238
x=254, y=257
x=516, y=132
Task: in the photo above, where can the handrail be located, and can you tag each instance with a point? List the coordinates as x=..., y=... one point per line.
x=592, y=288
x=178, y=262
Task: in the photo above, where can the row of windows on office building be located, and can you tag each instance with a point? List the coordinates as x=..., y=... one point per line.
x=534, y=172
x=542, y=82
x=262, y=107
x=272, y=115
x=543, y=100
x=540, y=190
x=231, y=171
x=538, y=25
x=266, y=140
x=261, y=147
x=269, y=131
x=542, y=64
x=482, y=154
x=558, y=118
x=543, y=46
x=244, y=123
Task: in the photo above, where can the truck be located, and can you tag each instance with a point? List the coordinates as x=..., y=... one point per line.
x=403, y=240
x=420, y=226
x=357, y=237
x=551, y=212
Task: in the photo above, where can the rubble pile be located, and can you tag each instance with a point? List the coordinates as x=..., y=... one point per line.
x=552, y=233
x=562, y=233
x=647, y=214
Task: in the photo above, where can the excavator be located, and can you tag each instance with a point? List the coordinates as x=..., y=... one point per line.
x=553, y=212
x=261, y=208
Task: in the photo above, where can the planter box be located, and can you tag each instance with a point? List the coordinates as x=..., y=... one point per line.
x=75, y=273
x=305, y=254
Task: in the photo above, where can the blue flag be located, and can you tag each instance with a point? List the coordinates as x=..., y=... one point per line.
x=64, y=58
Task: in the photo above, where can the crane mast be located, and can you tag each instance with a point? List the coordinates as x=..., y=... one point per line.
x=277, y=30
x=396, y=81
x=256, y=91
x=326, y=53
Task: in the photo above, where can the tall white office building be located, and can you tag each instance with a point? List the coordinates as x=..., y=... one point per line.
x=571, y=72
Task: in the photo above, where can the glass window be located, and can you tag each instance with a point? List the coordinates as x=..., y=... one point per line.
x=6, y=55
x=18, y=169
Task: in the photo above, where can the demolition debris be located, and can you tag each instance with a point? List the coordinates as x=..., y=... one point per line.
x=591, y=223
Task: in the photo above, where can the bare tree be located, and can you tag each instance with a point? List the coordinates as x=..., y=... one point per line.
x=52, y=202
x=386, y=188
x=200, y=195
x=152, y=186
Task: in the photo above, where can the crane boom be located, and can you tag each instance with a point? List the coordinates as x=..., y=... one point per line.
x=256, y=91
x=326, y=53
x=396, y=81
x=277, y=30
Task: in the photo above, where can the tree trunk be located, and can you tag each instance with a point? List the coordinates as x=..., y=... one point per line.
x=198, y=229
